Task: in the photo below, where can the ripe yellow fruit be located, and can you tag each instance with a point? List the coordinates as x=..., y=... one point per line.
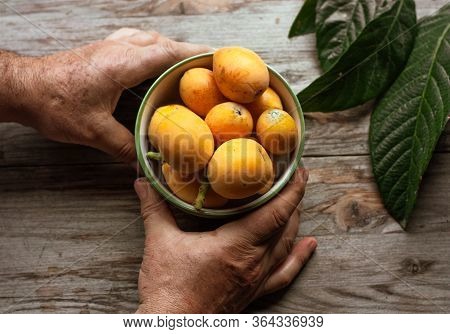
x=277, y=131
x=239, y=168
x=183, y=138
x=270, y=182
x=229, y=120
x=199, y=91
x=268, y=100
x=160, y=114
x=267, y=186
x=240, y=74
x=186, y=188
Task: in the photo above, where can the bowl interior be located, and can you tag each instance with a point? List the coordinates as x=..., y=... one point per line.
x=165, y=91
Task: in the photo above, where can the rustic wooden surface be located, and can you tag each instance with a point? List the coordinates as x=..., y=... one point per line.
x=70, y=234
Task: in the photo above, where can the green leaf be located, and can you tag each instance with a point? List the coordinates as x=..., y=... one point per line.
x=369, y=65
x=304, y=22
x=409, y=119
x=340, y=22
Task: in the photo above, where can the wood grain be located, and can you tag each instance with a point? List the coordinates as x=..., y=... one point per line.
x=332, y=134
x=56, y=215
x=343, y=133
x=70, y=234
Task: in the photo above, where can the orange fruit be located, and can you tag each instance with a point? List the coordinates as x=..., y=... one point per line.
x=186, y=188
x=277, y=131
x=240, y=74
x=199, y=91
x=240, y=168
x=229, y=120
x=268, y=100
x=182, y=137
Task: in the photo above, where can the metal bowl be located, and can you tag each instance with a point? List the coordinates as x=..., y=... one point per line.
x=165, y=90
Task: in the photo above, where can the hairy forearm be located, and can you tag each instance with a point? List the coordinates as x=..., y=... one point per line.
x=170, y=303
x=19, y=75
x=7, y=62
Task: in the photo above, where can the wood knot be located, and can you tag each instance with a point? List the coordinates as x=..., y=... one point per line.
x=415, y=266
x=359, y=210
x=181, y=8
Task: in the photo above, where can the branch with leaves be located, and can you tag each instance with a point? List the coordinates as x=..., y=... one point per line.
x=375, y=49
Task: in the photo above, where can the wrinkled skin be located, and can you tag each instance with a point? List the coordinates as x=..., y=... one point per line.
x=224, y=270
x=70, y=96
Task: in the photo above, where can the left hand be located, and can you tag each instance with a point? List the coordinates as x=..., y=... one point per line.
x=74, y=93
x=221, y=271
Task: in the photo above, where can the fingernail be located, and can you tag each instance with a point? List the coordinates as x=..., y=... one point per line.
x=298, y=175
x=305, y=175
x=141, y=188
x=312, y=243
x=302, y=175
x=298, y=211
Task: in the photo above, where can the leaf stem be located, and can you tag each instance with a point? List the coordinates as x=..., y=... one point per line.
x=201, y=196
x=154, y=155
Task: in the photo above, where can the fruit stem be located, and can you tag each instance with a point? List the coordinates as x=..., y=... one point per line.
x=201, y=196
x=154, y=155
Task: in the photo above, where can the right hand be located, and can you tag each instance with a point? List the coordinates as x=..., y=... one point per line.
x=221, y=271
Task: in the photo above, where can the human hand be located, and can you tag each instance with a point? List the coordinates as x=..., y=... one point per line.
x=72, y=94
x=221, y=271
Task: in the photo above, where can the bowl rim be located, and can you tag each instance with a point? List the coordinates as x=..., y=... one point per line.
x=206, y=212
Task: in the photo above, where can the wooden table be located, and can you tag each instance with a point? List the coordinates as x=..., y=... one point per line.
x=70, y=234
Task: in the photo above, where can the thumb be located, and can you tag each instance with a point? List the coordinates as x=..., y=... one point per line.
x=154, y=210
x=156, y=58
x=177, y=51
x=116, y=140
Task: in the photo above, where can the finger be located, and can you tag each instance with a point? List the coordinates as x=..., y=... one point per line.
x=154, y=211
x=288, y=270
x=143, y=38
x=181, y=50
x=134, y=36
x=265, y=222
x=282, y=245
x=116, y=140
x=121, y=33
x=156, y=58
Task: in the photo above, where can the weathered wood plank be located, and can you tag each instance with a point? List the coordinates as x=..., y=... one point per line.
x=333, y=134
x=22, y=146
x=404, y=277
x=340, y=191
x=79, y=220
x=375, y=274
x=76, y=22
x=328, y=134
x=123, y=8
x=52, y=216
